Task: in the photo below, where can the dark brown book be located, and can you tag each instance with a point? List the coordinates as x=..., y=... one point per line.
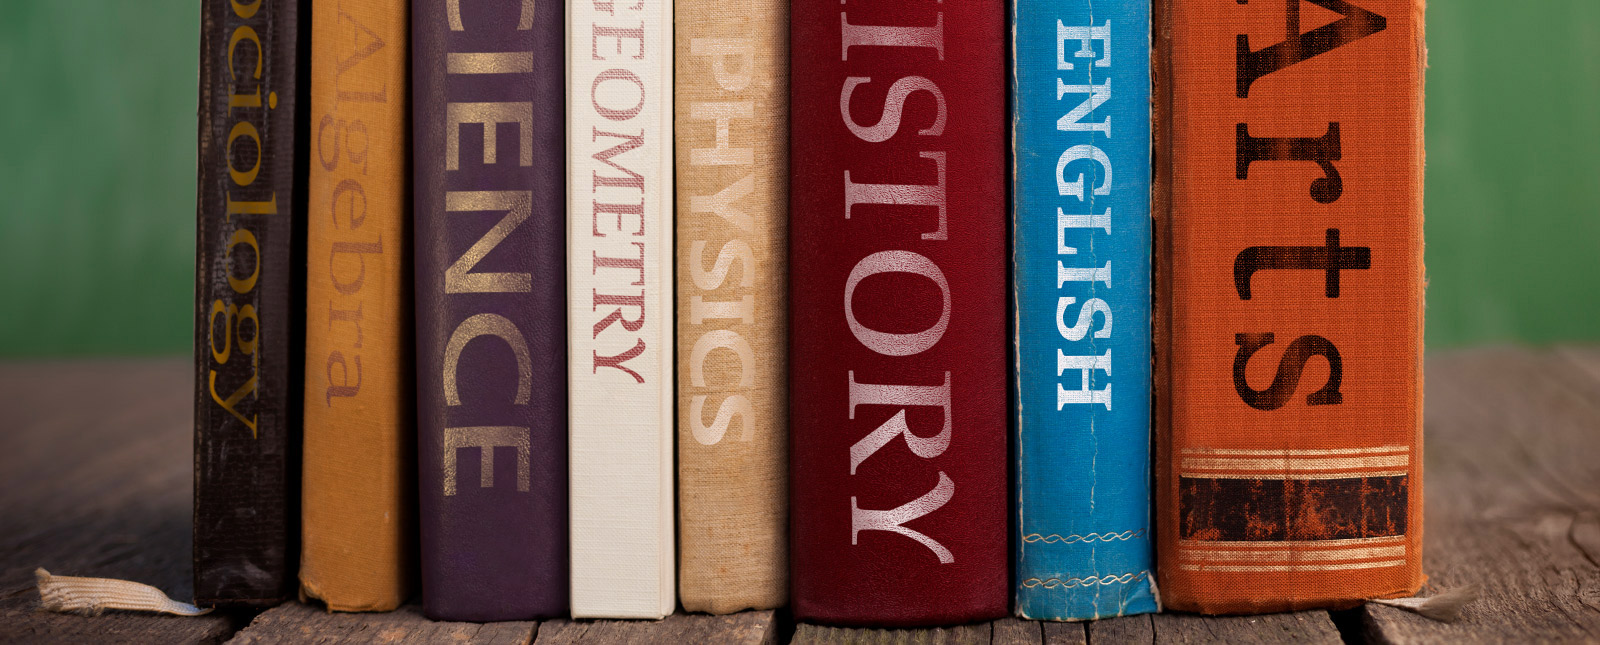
x=249, y=303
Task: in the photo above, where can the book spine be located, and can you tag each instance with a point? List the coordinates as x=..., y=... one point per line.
x=1290, y=464
x=732, y=102
x=897, y=274
x=488, y=81
x=619, y=281
x=358, y=537
x=249, y=313
x=1081, y=274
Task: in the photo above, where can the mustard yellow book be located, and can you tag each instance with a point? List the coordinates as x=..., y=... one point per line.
x=358, y=531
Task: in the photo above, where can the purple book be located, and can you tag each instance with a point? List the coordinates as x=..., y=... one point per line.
x=490, y=158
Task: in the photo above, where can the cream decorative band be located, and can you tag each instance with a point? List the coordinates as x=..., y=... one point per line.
x=1297, y=555
x=1333, y=463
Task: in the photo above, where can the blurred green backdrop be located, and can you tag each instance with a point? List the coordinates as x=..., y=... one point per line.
x=97, y=155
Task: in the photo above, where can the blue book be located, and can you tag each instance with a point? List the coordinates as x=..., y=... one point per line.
x=1081, y=144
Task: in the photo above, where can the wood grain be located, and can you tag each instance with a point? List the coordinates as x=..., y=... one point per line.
x=1015, y=631
x=300, y=623
x=745, y=628
x=1512, y=492
x=1067, y=634
x=1311, y=627
x=96, y=480
x=975, y=634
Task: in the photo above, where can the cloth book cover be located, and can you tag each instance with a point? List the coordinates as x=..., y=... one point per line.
x=619, y=294
x=732, y=106
x=359, y=532
x=249, y=313
x=1291, y=292
x=488, y=114
x=898, y=337
x=1081, y=271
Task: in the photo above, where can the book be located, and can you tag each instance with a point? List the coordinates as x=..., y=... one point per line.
x=897, y=283
x=359, y=532
x=1290, y=291
x=1081, y=275
x=619, y=285
x=489, y=90
x=249, y=311
x=732, y=107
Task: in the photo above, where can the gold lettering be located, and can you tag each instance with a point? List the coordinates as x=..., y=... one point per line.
x=244, y=236
x=459, y=278
x=249, y=388
x=487, y=325
x=244, y=32
x=489, y=63
x=246, y=11
x=269, y=207
x=245, y=100
x=485, y=439
x=244, y=129
x=490, y=115
x=227, y=311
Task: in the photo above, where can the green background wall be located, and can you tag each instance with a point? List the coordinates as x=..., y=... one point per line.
x=97, y=138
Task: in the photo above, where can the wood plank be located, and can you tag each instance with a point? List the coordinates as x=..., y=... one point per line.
x=300, y=623
x=1122, y=629
x=974, y=634
x=743, y=628
x=1015, y=631
x=1067, y=633
x=1312, y=627
x=1512, y=490
x=96, y=468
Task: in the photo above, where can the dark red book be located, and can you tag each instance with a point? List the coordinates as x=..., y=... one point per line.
x=897, y=269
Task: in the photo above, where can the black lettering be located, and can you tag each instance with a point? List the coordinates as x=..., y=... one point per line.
x=1356, y=24
x=1331, y=258
x=1289, y=370
x=1323, y=150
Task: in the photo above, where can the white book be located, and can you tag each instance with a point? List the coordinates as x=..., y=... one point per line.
x=620, y=318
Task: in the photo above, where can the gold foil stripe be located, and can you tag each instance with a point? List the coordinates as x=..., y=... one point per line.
x=1291, y=544
x=1356, y=474
x=1242, y=452
x=1280, y=555
x=1342, y=566
x=1295, y=463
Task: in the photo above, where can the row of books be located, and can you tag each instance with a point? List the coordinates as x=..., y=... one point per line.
x=592, y=309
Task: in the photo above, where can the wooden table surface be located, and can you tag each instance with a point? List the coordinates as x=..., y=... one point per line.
x=95, y=480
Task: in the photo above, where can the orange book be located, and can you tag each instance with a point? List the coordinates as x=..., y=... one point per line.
x=1289, y=302
x=358, y=529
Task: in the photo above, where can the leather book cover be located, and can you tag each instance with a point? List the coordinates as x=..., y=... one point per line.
x=490, y=131
x=1290, y=309
x=898, y=357
x=732, y=124
x=619, y=286
x=359, y=532
x=1081, y=275
x=249, y=310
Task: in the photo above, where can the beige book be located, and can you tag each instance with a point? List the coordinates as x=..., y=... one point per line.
x=731, y=118
x=619, y=291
